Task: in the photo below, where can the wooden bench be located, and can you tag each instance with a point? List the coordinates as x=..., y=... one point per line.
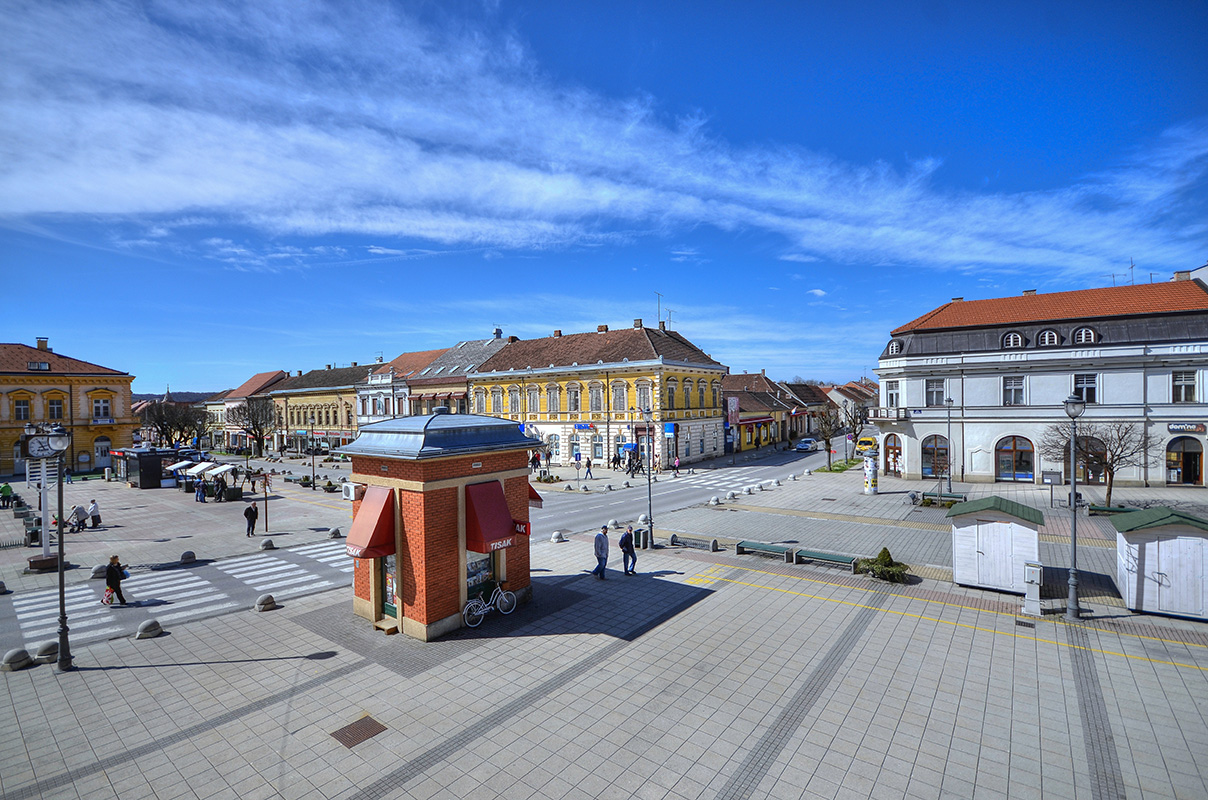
x=944, y=497
x=832, y=558
x=766, y=549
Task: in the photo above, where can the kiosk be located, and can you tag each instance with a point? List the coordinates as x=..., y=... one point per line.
x=440, y=505
x=1160, y=561
x=993, y=539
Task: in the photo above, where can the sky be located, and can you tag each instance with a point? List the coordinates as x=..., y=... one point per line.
x=196, y=192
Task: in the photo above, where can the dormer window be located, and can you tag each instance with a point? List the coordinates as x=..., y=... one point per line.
x=1084, y=336
x=895, y=347
x=1012, y=341
x=1047, y=339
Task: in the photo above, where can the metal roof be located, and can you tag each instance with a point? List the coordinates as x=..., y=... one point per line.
x=1001, y=504
x=437, y=435
x=1155, y=518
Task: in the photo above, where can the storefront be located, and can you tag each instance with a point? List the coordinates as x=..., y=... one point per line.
x=440, y=515
x=1184, y=462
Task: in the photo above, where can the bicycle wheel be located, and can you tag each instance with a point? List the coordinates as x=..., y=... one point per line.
x=507, y=603
x=474, y=613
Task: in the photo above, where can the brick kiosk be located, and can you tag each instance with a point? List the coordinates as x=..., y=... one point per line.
x=444, y=514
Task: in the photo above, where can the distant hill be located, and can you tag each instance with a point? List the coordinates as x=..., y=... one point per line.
x=179, y=397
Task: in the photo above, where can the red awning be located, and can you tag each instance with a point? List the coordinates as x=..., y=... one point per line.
x=755, y=421
x=489, y=524
x=535, y=500
x=372, y=532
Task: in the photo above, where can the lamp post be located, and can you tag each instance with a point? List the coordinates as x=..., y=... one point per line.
x=312, y=452
x=1074, y=406
x=44, y=444
x=648, y=416
x=948, y=403
x=846, y=422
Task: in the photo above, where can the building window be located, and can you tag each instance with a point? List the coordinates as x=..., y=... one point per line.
x=687, y=394
x=620, y=394
x=573, y=403
x=1084, y=336
x=574, y=445
x=934, y=457
x=892, y=397
x=497, y=401
x=1084, y=387
x=1047, y=339
x=555, y=445
x=514, y=401
x=1183, y=386
x=671, y=387
x=1012, y=340
x=895, y=347
x=700, y=397
x=553, y=400
x=595, y=398
x=1012, y=390
x=597, y=447
x=935, y=391
x=480, y=402
x=716, y=396
x=534, y=400
x=100, y=408
x=54, y=408
x=20, y=409
x=643, y=398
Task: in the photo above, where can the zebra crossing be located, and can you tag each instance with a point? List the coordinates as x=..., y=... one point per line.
x=173, y=595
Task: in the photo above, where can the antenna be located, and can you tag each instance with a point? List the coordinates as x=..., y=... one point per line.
x=1131, y=267
x=1112, y=276
x=659, y=315
x=670, y=311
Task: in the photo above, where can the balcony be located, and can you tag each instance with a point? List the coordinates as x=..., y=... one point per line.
x=881, y=414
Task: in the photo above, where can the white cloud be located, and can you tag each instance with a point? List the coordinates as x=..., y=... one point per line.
x=302, y=118
x=816, y=292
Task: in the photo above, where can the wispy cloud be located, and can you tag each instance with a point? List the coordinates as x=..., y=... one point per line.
x=816, y=292
x=302, y=118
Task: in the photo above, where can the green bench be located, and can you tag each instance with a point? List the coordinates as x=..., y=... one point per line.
x=802, y=556
x=1109, y=509
x=944, y=497
x=765, y=549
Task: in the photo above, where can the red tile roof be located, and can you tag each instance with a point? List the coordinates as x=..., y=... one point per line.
x=256, y=384
x=1116, y=301
x=609, y=347
x=15, y=358
x=409, y=363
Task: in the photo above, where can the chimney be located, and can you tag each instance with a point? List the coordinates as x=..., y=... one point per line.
x=298, y=374
x=763, y=372
x=557, y=334
x=354, y=363
x=1181, y=275
x=42, y=342
x=637, y=323
x=1029, y=292
x=601, y=329
x=513, y=339
x=662, y=325
x=498, y=333
x=957, y=299
x=379, y=359
x=329, y=366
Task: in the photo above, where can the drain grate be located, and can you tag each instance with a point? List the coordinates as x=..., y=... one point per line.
x=829, y=499
x=364, y=728
x=1023, y=624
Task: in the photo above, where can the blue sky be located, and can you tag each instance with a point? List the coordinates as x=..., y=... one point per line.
x=194, y=192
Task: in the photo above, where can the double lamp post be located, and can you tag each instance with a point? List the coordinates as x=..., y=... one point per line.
x=44, y=443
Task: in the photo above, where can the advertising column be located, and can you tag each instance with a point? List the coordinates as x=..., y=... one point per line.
x=870, y=471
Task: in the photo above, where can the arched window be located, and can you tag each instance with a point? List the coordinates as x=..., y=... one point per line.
x=1012, y=340
x=573, y=398
x=672, y=387
x=553, y=399
x=1184, y=461
x=497, y=400
x=574, y=445
x=1084, y=336
x=934, y=460
x=555, y=446
x=895, y=347
x=1047, y=339
x=700, y=399
x=1014, y=459
x=688, y=394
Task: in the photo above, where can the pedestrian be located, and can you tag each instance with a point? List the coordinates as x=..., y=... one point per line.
x=535, y=461
x=6, y=495
x=219, y=489
x=601, y=550
x=114, y=573
x=658, y=466
x=251, y=514
x=81, y=518
x=200, y=495
x=67, y=475
x=547, y=459
x=94, y=511
x=587, y=475
x=629, y=557
x=677, y=466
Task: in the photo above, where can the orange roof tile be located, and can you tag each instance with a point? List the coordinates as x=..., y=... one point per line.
x=16, y=357
x=256, y=384
x=409, y=363
x=1116, y=301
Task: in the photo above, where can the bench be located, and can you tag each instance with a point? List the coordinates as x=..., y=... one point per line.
x=1109, y=509
x=831, y=558
x=944, y=497
x=765, y=549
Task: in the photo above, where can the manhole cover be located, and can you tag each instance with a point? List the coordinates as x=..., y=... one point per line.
x=364, y=728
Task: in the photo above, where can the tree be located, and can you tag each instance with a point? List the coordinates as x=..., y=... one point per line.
x=173, y=423
x=1102, y=447
x=257, y=417
x=829, y=422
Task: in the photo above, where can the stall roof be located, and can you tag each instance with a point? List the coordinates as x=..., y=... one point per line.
x=200, y=468
x=437, y=435
x=535, y=500
x=180, y=465
x=224, y=469
x=1156, y=518
x=372, y=531
x=1001, y=504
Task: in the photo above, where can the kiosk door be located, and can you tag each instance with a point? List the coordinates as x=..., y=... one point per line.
x=389, y=608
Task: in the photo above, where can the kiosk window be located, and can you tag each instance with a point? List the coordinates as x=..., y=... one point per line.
x=480, y=569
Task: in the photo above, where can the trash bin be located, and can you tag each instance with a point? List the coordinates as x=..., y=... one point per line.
x=108, y=473
x=234, y=493
x=189, y=485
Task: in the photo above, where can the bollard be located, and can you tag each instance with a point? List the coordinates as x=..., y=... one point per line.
x=334, y=533
x=713, y=501
x=643, y=519
x=731, y=495
x=612, y=523
x=776, y=482
x=188, y=557
x=265, y=602
x=148, y=629
x=267, y=544
x=746, y=490
x=3, y=588
x=47, y=653
x=98, y=571
x=15, y=659
x=558, y=536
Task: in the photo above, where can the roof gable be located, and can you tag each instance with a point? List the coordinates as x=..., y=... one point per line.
x=1000, y=504
x=1156, y=518
x=255, y=384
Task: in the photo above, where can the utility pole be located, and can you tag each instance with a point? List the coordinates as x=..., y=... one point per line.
x=659, y=306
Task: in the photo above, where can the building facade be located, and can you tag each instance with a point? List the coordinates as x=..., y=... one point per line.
x=92, y=402
x=317, y=408
x=975, y=384
x=386, y=392
x=583, y=394
x=233, y=437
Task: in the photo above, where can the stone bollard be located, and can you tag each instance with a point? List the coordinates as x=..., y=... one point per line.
x=15, y=659
x=558, y=536
x=792, y=476
x=612, y=523
x=731, y=495
x=98, y=571
x=334, y=533
x=714, y=501
x=188, y=557
x=47, y=653
x=265, y=602
x=267, y=544
x=626, y=484
x=569, y=488
x=148, y=629
x=807, y=472
x=776, y=482
x=643, y=519
x=746, y=490
x=608, y=487
x=3, y=588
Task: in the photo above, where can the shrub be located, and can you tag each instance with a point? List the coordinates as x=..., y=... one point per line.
x=926, y=501
x=883, y=567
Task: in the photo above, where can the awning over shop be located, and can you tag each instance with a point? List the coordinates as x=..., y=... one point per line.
x=224, y=469
x=200, y=468
x=755, y=421
x=372, y=531
x=179, y=465
x=535, y=500
x=489, y=524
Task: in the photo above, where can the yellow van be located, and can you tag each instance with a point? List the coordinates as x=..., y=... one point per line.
x=866, y=443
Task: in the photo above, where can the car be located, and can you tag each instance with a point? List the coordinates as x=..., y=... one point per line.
x=806, y=445
x=866, y=443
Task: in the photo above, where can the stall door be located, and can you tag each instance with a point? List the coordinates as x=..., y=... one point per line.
x=994, y=554
x=1181, y=576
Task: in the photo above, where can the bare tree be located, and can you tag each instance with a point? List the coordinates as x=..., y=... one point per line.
x=173, y=422
x=1103, y=448
x=257, y=417
x=829, y=422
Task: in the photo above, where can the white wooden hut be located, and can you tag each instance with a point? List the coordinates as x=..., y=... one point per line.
x=1160, y=561
x=992, y=539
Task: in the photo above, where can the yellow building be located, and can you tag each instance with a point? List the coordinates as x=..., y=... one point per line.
x=317, y=408
x=92, y=402
x=584, y=393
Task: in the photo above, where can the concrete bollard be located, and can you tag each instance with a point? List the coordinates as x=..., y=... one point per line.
x=3, y=588
x=807, y=472
x=98, y=571
x=731, y=495
x=558, y=536
x=626, y=484
x=15, y=659
x=188, y=557
x=612, y=523
x=792, y=476
x=47, y=653
x=776, y=482
x=148, y=629
x=746, y=490
x=608, y=487
x=267, y=544
x=334, y=533
x=643, y=519
x=265, y=602
x=714, y=501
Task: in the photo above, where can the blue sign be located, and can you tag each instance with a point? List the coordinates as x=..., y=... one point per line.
x=578, y=456
x=669, y=427
x=584, y=426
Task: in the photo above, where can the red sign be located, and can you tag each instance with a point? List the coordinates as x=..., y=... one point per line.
x=521, y=527
x=499, y=544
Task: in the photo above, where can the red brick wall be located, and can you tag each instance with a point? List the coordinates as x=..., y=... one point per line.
x=516, y=490
x=362, y=574
x=438, y=469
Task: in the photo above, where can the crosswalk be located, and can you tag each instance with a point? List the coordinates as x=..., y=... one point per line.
x=176, y=594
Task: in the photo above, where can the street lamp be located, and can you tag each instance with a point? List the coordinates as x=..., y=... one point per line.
x=648, y=415
x=1074, y=406
x=312, y=452
x=948, y=402
x=43, y=444
x=846, y=422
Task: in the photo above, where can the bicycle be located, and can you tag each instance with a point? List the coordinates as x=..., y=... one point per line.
x=477, y=608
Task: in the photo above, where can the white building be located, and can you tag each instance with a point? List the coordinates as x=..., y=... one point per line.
x=1136, y=354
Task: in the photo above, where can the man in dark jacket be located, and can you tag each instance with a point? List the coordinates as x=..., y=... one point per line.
x=251, y=514
x=629, y=557
x=114, y=573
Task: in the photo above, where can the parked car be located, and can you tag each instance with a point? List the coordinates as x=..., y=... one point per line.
x=866, y=443
x=806, y=445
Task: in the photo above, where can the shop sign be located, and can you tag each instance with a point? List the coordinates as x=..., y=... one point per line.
x=520, y=527
x=1185, y=427
x=732, y=411
x=500, y=544
x=585, y=426
x=669, y=428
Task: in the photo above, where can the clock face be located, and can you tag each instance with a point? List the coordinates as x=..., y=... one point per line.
x=39, y=447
